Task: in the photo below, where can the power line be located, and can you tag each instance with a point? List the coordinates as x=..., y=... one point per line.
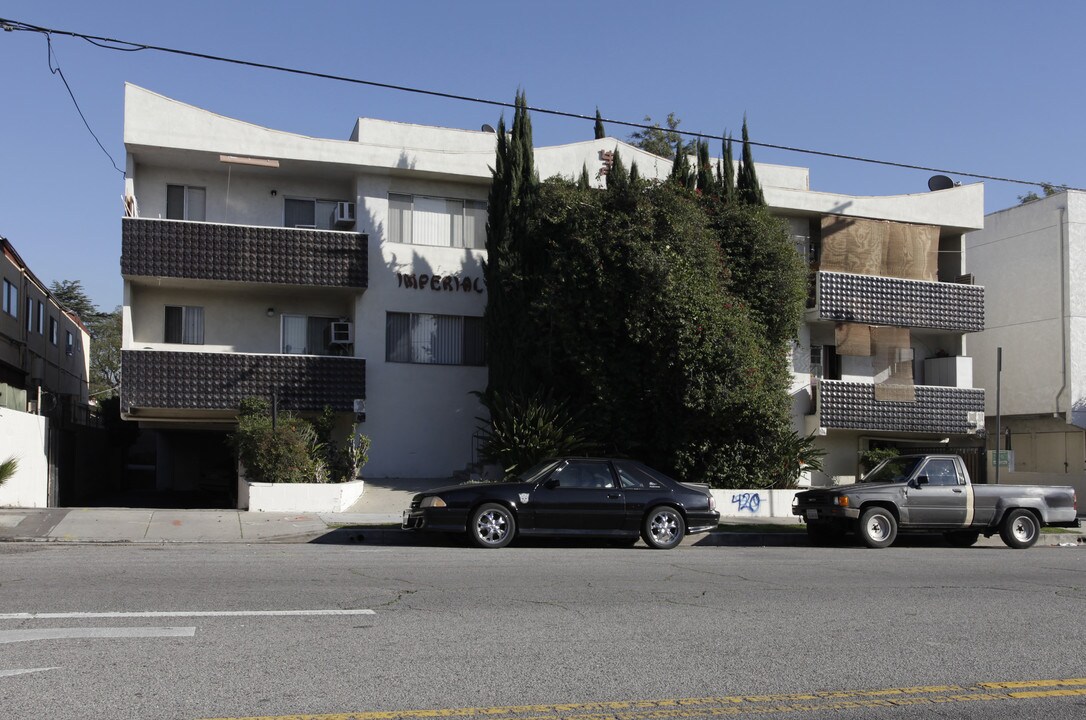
x=128, y=46
x=57, y=71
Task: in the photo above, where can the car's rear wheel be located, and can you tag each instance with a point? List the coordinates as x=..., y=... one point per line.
x=878, y=527
x=493, y=526
x=1019, y=529
x=663, y=528
x=962, y=538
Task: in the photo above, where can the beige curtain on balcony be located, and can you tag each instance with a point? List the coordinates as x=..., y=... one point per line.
x=893, y=355
x=878, y=247
x=853, y=339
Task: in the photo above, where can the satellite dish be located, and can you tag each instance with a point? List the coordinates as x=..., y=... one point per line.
x=487, y=128
x=939, y=182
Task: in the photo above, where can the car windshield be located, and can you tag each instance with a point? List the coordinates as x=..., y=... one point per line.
x=892, y=470
x=536, y=471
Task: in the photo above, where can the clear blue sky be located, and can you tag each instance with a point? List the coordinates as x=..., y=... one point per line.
x=983, y=86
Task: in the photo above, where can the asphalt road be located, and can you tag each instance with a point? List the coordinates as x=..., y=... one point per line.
x=573, y=632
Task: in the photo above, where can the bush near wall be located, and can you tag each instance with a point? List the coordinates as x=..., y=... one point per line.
x=295, y=450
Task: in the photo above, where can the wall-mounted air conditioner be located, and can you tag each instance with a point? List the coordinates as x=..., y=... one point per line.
x=344, y=216
x=341, y=333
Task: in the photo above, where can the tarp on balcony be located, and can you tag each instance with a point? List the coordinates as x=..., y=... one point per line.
x=893, y=355
x=853, y=339
x=879, y=247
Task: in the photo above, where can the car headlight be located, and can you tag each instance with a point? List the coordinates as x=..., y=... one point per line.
x=432, y=501
x=841, y=501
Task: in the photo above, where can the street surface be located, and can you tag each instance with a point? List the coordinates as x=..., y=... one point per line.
x=539, y=631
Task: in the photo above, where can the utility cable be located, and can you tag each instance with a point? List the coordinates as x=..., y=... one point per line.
x=57, y=71
x=128, y=46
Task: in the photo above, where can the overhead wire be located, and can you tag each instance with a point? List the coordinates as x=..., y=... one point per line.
x=129, y=46
x=60, y=73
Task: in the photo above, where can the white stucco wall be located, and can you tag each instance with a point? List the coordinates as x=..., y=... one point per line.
x=22, y=436
x=1032, y=259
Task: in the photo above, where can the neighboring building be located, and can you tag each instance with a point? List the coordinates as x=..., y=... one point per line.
x=44, y=385
x=1032, y=259
x=44, y=349
x=335, y=271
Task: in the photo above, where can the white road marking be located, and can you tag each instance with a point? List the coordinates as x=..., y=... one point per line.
x=13, y=636
x=24, y=671
x=177, y=614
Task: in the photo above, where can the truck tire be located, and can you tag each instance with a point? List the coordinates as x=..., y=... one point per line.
x=878, y=527
x=962, y=538
x=1019, y=529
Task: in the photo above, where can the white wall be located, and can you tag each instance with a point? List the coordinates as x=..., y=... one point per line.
x=23, y=435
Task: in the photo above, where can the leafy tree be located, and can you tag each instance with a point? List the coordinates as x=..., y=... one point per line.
x=1049, y=191
x=659, y=141
x=748, y=189
x=105, y=332
x=600, y=132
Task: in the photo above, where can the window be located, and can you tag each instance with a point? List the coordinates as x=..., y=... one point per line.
x=434, y=339
x=11, y=299
x=52, y=330
x=184, y=325
x=186, y=203
x=41, y=318
x=69, y=342
x=301, y=213
x=941, y=472
x=585, y=474
x=634, y=475
x=29, y=315
x=311, y=335
x=443, y=222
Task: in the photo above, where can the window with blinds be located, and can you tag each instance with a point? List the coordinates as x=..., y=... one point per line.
x=441, y=222
x=434, y=339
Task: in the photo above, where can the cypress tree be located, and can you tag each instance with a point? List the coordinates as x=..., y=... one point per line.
x=680, y=167
x=618, y=180
x=705, y=168
x=583, y=182
x=727, y=172
x=600, y=132
x=748, y=189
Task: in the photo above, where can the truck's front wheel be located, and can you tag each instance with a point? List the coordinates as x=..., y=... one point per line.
x=1019, y=529
x=878, y=527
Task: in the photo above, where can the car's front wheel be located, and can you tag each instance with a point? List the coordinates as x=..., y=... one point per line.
x=1020, y=529
x=663, y=528
x=493, y=526
x=878, y=527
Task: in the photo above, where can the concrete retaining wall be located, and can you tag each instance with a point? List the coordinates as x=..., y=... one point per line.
x=303, y=497
x=22, y=436
x=739, y=504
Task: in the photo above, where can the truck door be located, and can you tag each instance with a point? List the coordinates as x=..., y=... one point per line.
x=941, y=499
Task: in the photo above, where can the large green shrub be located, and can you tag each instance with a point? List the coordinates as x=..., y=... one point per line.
x=523, y=430
x=295, y=450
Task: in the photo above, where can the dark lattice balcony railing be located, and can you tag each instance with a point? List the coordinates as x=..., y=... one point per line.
x=876, y=300
x=167, y=380
x=242, y=253
x=944, y=410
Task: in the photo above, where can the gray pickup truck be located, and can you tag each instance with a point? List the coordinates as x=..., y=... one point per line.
x=933, y=494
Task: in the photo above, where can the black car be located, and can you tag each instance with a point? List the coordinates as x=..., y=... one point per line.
x=619, y=499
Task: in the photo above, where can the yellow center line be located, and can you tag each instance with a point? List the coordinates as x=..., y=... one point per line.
x=677, y=708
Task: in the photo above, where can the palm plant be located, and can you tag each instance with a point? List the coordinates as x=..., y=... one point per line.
x=8, y=468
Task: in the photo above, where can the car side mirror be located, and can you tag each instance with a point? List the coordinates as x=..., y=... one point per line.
x=551, y=483
x=922, y=480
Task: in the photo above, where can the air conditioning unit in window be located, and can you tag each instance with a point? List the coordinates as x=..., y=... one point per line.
x=341, y=333
x=344, y=216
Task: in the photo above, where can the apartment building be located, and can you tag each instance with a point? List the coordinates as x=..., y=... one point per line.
x=349, y=273
x=1032, y=258
x=44, y=349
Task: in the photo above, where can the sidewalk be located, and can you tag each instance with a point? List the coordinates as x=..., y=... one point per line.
x=374, y=519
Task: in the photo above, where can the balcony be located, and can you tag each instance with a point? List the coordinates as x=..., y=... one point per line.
x=242, y=253
x=846, y=405
x=202, y=382
x=877, y=300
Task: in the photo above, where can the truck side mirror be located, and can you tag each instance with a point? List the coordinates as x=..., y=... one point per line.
x=922, y=480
